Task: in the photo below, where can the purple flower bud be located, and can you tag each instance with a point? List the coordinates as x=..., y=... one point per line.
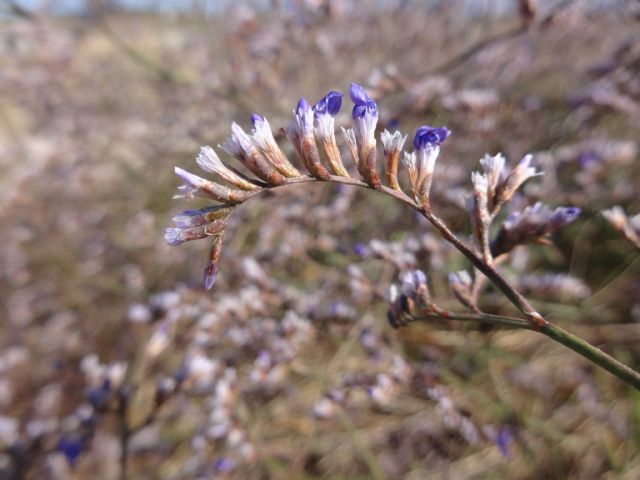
x=223, y=465
x=426, y=135
x=587, y=158
x=419, y=278
x=503, y=440
x=302, y=106
x=255, y=118
x=210, y=275
x=563, y=216
x=358, y=94
x=330, y=104
x=363, y=103
x=360, y=249
x=71, y=448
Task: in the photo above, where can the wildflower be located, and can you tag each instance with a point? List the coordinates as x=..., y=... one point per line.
x=209, y=161
x=478, y=207
x=211, y=270
x=197, y=224
x=421, y=162
x=242, y=146
x=263, y=139
x=362, y=137
x=195, y=186
x=300, y=133
x=520, y=174
x=412, y=297
x=392, y=144
x=71, y=447
x=504, y=438
x=494, y=170
x=531, y=225
x=324, y=113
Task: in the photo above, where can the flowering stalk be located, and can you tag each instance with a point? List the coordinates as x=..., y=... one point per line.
x=325, y=111
x=492, y=190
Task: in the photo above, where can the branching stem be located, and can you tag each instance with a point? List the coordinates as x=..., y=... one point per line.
x=533, y=321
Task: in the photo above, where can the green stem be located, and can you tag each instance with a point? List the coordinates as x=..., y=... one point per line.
x=557, y=334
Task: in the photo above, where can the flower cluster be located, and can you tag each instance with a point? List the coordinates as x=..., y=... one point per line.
x=311, y=132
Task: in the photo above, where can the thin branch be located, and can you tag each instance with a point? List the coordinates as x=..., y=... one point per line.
x=489, y=271
x=534, y=320
x=555, y=333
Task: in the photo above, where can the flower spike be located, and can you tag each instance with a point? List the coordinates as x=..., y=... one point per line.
x=195, y=186
x=421, y=163
x=365, y=119
x=242, y=146
x=300, y=133
x=392, y=145
x=324, y=113
x=263, y=139
x=209, y=161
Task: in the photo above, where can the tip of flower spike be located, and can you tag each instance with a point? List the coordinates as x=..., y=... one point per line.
x=255, y=118
x=210, y=275
x=329, y=104
x=564, y=215
x=363, y=103
x=172, y=237
x=426, y=135
x=302, y=106
x=188, y=177
x=358, y=94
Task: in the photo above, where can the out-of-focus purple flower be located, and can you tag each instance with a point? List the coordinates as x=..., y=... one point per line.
x=393, y=124
x=360, y=249
x=503, y=440
x=563, y=215
x=426, y=135
x=223, y=465
x=71, y=447
x=329, y=105
x=588, y=158
x=99, y=396
x=530, y=226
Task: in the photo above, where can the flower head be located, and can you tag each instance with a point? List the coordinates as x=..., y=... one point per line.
x=324, y=127
x=429, y=136
x=329, y=105
x=268, y=147
x=365, y=120
x=363, y=103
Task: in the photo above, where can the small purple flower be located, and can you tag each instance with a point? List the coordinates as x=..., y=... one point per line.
x=71, y=448
x=588, y=158
x=363, y=103
x=302, y=106
x=223, y=465
x=330, y=104
x=256, y=119
x=503, y=440
x=360, y=249
x=426, y=135
x=99, y=396
x=563, y=216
